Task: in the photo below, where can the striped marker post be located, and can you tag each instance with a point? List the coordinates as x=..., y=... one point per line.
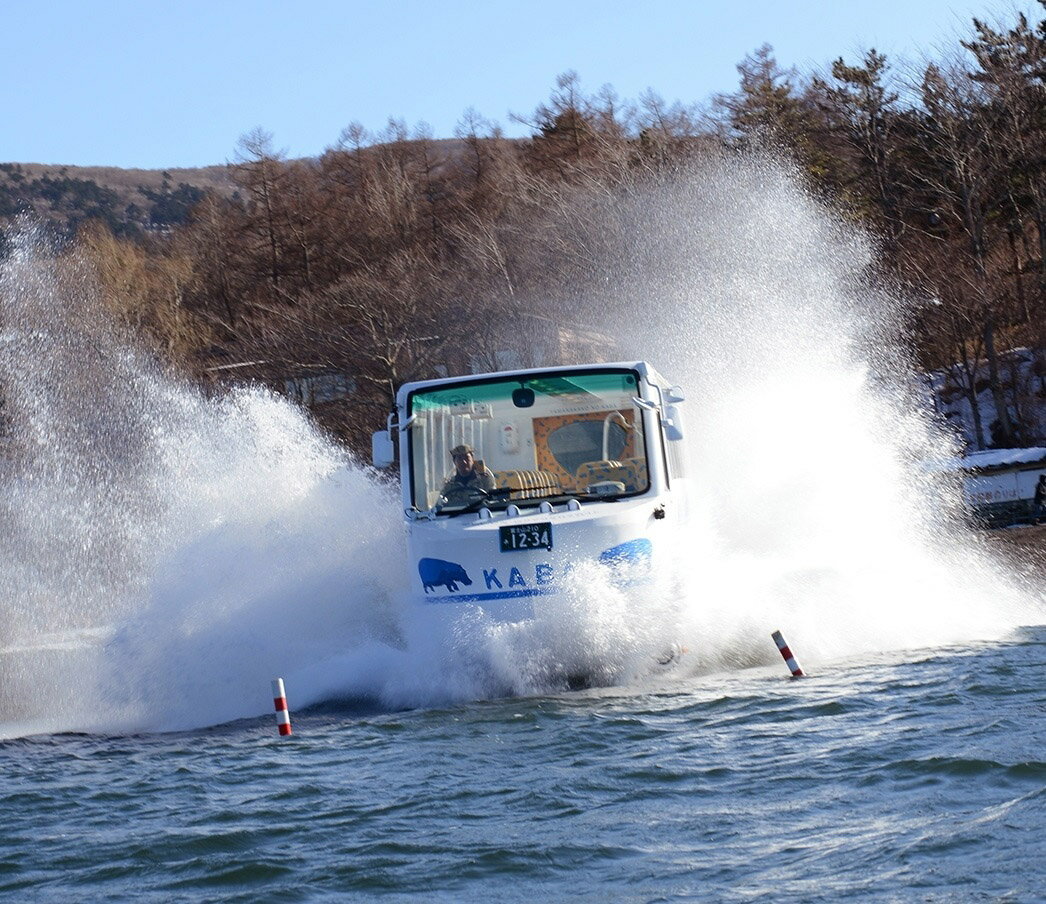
x=786, y=654
x=279, y=698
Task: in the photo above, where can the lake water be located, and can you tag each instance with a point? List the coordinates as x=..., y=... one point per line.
x=902, y=777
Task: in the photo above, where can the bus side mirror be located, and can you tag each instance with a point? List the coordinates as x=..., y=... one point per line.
x=673, y=423
x=382, y=449
x=675, y=394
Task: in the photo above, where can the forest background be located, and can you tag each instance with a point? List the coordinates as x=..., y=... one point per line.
x=335, y=279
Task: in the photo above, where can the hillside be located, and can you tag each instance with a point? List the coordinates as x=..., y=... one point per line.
x=129, y=201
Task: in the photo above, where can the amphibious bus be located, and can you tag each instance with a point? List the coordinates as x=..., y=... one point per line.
x=576, y=465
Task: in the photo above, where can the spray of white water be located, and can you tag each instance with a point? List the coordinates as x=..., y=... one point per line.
x=814, y=513
x=164, y=554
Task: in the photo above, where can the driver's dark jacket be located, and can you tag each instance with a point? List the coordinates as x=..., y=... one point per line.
x=459, y=490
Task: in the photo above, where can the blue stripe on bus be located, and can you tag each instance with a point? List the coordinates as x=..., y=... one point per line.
x=502, y=595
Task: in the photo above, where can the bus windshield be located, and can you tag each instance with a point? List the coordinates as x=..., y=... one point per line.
x=527, y=438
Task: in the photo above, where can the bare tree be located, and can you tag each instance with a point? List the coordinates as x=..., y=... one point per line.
x=260, y=172
x=962, y=177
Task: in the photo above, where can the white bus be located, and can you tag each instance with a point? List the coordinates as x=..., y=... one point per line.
x=565, y=465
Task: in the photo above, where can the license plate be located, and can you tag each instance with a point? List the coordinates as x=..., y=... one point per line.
x=515, y=537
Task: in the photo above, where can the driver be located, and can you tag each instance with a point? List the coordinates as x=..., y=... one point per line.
x=470, y=476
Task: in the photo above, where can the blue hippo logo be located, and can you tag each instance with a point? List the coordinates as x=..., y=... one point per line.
x=435, y=572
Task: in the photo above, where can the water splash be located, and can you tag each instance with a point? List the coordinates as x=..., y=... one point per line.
x=805, y=433
x=164, y=554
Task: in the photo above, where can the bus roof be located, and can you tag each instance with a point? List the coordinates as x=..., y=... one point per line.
x=644, y=370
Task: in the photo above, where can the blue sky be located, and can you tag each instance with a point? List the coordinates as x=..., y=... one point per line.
x=150, y=84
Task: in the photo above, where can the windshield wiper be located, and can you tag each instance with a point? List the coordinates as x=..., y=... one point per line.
x=476, y=504
x=589, y=497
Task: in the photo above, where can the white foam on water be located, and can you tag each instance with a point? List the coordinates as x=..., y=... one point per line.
x=164, y=554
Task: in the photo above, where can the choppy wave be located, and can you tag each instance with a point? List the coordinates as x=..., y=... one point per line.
x=888, y=777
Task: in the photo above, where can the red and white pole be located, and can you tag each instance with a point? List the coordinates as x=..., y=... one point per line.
x=279, y=698
x=786, y=654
